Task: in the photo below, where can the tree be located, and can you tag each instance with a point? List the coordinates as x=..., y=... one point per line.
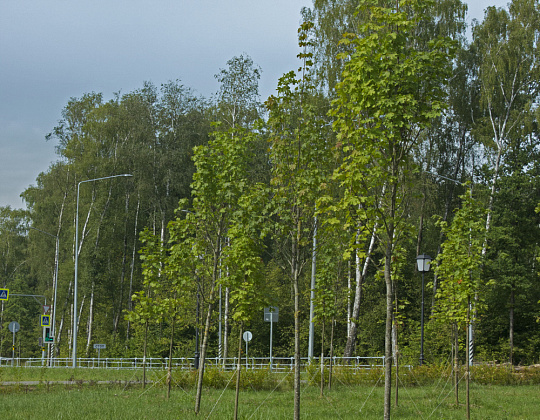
x=238, y=97
x=198, y=234
x=299, y=157
x=391, y=90
x=458, y=266
x=237, y=106
x=245, y=266
x=506, y=47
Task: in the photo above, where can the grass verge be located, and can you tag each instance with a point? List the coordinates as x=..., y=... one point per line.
x=114, y=401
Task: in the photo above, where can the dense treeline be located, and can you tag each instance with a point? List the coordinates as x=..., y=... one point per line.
x=394, y=122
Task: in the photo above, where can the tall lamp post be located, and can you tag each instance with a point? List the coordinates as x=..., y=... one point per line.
x=423, y=263
x=53, y=324
x=75, y=321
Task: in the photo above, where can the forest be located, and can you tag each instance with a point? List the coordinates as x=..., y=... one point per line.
x=398, y=135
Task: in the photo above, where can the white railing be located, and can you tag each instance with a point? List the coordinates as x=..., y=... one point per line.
x=279, y=364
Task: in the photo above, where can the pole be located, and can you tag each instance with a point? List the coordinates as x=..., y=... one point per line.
x=196, y=358
x=220, y=345
x=312, y=294
x=75, y=281
x=271, y=324
x=471, y=342
x=422, y=325
x=75, y=284
x=43, y=341
x=13, y=350
x=53, y=329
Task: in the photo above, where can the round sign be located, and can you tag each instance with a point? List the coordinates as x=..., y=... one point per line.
x=14, y=326
x=247, y=336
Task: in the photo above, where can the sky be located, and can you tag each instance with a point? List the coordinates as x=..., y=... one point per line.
x=51, y=51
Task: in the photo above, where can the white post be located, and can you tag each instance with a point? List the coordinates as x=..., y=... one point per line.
x=312, y=294
x=271, y=324
x=13, y=350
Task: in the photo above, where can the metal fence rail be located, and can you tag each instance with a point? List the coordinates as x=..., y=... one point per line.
x=279, y=364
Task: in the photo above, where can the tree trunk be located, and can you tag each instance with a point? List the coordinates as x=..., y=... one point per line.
x=388, y=335
x=396, y=357
x=331, y=355
x=90, y=323
x=468, y=367
x=80, y=315
x=511, y=338
x=322, y=359
x=169, y=371
x=132, y=268
x=238, y=370
x=204, y=347
x=456, y=363
x=295, y=272
x=349, y=294
x=360, y=275
x=145, y=345
x=226, y=328
x=123, y=270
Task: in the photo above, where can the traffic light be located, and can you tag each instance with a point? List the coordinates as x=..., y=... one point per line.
x=48, y=338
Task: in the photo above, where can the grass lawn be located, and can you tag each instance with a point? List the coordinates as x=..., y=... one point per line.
x=113, y=401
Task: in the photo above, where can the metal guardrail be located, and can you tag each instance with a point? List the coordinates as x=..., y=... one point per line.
x=279, y=364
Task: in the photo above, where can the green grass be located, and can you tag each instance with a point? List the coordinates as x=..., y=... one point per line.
x=44, y=374
x=88, y=401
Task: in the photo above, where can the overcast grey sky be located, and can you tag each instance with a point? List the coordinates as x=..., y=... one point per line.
x=56, y=49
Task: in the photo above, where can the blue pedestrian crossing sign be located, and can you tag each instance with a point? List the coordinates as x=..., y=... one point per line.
x=45, y=320
x=4, y=294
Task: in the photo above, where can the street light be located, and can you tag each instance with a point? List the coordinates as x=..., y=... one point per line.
x=423, y=263
x=77, y=263
x=53, y=326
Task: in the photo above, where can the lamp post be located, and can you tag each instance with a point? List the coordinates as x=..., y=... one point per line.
x=423, y=263
x=53, y=325
x=77, y=262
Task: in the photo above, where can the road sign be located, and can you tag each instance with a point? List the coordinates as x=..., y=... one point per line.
x=4, y=294
x=247, y=336
x=45, y=320
x=14, y=326
x=102, y=346
x=46, y=309
x=271, y=314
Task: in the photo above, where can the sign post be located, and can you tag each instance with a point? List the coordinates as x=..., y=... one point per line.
x=247, y=336
x=271, y=315
x=13, y=327
x=99, y=347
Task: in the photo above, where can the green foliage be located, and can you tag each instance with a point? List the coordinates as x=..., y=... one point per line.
x=404, y=107
x=458, y=266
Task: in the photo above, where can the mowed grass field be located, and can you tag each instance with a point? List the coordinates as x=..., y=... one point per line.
x=122, y=400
